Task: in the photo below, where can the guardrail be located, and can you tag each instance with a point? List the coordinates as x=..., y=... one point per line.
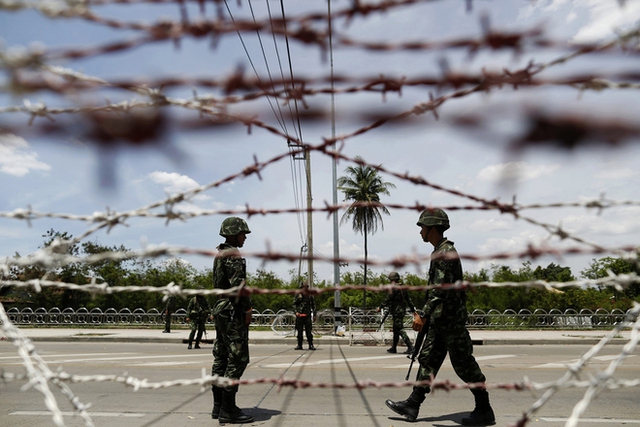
x=283, y=321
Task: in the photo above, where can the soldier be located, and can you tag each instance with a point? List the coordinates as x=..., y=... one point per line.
x=232, y=316
x=168, y=310
x=198, y=312
x=397, y=302
x=305, y=309
x=447, y=332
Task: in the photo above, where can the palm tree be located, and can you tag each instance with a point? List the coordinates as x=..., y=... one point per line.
x=363, y=185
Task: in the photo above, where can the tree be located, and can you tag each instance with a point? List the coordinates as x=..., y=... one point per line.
x=553, y=273
x=600, y=268
x=363, y=185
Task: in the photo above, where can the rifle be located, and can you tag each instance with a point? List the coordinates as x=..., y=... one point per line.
x=384, y=318
x=417, y=346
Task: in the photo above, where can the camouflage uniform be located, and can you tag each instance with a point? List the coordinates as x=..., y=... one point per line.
x=305, y=307
x=397, y=302
x=198, y=312
x=447, y=331
x=448, y=313
x=168, y=310
x=231, y=349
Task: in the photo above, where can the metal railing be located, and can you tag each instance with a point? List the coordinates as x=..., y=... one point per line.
x=283, y=321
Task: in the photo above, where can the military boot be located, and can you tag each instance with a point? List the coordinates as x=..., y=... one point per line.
x=482, y=415
x=310, y=341
x=229, y=412
x=407, y=342
x=394, y=344
x=408, y=408
x=409, y=349
x=217, y=401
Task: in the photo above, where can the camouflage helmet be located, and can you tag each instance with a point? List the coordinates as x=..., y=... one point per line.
x=434, y=217
x=394, y=276
x=232, y=226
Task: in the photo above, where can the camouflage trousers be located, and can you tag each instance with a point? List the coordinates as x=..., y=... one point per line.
x=453, y=338
x=304, y=324
x=398, y=331
x=197, y=324
x=231, y=349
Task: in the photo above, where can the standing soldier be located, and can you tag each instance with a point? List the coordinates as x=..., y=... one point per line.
x=198, y=312
x=168, y=310
x=445, y=313
x=232, y=316
x=397, y=302
x=305, y=309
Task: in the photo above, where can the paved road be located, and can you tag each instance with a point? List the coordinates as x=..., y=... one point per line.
x=114, y=404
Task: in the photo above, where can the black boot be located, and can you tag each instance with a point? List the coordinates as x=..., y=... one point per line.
x=408, y=408
x=409, y=349
x=299, y=347
x=394, y=346
x=310, y=341
x=217, y=402
x=229, y=412
x=191, y=336
x=482, y=415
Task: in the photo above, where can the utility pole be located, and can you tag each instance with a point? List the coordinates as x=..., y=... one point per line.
x=337, y=310
x=307, y=154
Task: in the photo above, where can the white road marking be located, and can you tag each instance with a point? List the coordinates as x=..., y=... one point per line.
x=566, y=363
x=44, y=356
x=360, y=359
x=168, y=363
x=106, y=359
x=91, y=414
x=591, y=420
x=447, y=362
x=495, y=356
x=329, y=361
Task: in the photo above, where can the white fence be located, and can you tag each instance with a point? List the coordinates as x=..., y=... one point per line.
x=283, y=321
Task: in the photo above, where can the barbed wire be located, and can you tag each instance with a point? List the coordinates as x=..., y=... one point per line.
x=569, y=380
x=618, y=281
x=39, y=375
x=37, y=70
x=596, y=383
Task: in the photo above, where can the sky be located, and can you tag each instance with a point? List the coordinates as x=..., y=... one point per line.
x=68, y=173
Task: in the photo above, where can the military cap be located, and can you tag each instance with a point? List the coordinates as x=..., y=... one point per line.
x=232, y=226
x=432, y=217
x=394, y=276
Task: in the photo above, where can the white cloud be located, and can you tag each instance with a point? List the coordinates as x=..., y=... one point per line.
x=605, y=18
x=593, y=20
x=617, y=173
x=16, y=158
x=623, y=221
x=176, y=183
x=346, y=249
x=173, y=182
x=486, y=225
x=515, y=172
x=495, y=245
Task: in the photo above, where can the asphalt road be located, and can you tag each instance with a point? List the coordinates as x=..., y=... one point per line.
x=116, y=404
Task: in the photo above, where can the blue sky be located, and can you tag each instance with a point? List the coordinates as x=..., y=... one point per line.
x=60, y=173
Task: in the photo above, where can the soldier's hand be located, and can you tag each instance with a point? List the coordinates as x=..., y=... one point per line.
x=418, y=322
x=247, y=318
